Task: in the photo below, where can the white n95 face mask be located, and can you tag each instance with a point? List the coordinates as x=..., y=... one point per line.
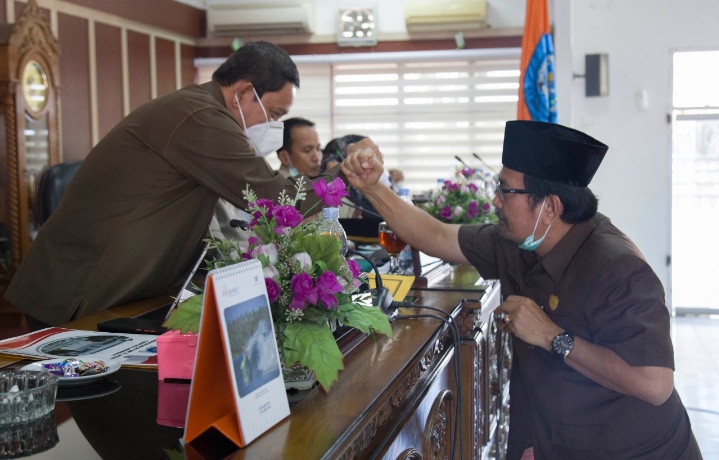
x=265, y=137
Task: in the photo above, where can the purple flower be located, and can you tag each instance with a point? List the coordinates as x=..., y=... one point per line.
x=354, y=268
x=446, y=213
x=486, y=207
x=451, y=186
x=473, y=187
x=263, y=206
x=286, y=216
x=327, y=282
x=472, y=209
x=467, y=172
x=273, y=289
x=327, y=286
x=304, y=290
x=331, y=193
x=328, y=300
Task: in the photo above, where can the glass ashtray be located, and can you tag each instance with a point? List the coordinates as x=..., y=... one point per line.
x=25, y=396
x=23, y=439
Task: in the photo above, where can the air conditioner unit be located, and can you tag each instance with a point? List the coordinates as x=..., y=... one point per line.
x=276, y=18
x=448, y=15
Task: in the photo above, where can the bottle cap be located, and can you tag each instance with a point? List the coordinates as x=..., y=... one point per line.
x=404, y=191
x=330, y=213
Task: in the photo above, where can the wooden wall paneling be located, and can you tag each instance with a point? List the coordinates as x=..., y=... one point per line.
x=3, y=11
x=138, y=50
x=165, y=75
x=109, y=76
x=170, y=15
x=187, y=66
x=75, y=87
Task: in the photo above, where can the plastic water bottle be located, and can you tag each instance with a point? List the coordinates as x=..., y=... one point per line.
x=405, y=256
x=330, y=226
x=489, y=184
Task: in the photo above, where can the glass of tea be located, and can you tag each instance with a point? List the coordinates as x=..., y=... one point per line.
x=392, y=244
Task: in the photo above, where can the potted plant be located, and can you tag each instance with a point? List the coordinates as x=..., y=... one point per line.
x=464, y=200
x=310, y=285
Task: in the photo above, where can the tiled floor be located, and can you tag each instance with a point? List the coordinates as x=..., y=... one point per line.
x=696, y=349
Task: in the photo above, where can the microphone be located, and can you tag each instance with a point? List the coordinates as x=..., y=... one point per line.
x=382, y=298
x=484, y=163
x=461, y=160
x=241, y=224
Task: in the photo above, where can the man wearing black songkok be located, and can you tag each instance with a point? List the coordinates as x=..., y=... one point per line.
x=592, y=369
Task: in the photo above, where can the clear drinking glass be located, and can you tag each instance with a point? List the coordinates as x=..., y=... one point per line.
x=392, y=244
x=27, y=423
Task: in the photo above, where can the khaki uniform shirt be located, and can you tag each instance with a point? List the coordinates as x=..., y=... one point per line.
x=131, y=222
x=595, y=283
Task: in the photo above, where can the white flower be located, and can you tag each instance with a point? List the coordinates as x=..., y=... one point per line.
x=269, y=250
x=271, y=272
x=458, y=210
x=303, y=259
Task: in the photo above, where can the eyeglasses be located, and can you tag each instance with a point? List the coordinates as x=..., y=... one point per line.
x=501, y=191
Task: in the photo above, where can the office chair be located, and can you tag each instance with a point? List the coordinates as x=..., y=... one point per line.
x=53, y=183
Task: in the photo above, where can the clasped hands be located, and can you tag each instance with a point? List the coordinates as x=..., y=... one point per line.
x=524, y=318
x=363, y=164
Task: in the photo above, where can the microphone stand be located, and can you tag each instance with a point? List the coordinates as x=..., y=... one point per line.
x=381, y=298
x=362, y=209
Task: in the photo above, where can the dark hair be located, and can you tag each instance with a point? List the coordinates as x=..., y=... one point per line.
x=267, y=66
x=290, y=124
x=336, y=149
x=580, y=203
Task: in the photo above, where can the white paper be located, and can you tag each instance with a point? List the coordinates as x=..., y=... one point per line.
x=57, y=342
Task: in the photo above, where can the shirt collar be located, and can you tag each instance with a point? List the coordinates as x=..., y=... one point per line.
x=557, y=261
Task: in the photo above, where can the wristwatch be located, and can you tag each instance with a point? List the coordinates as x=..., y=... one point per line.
x=563, y=343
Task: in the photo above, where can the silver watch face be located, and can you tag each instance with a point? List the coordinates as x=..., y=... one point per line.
x=563, y=343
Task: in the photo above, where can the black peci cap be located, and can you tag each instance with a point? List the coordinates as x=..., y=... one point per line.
x=551, y=152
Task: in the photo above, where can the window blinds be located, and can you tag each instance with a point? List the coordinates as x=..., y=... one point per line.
x=423, y=109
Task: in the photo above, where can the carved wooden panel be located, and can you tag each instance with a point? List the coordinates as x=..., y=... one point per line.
x=438, y=431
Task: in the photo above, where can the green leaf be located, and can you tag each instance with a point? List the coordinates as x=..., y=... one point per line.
x=366, y=319
x=314, y=346
x=186, y=317
x=322, y=248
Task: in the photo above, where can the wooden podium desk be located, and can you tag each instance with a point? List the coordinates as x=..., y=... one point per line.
x=396, y=397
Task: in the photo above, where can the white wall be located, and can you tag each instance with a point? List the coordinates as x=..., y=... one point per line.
x=634, y=182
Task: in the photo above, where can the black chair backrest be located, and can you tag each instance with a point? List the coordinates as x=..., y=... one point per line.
x=53, y=182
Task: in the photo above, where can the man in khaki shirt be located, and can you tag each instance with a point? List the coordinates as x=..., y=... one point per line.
x=131, y=222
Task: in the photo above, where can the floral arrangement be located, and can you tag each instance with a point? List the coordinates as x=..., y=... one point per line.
x=464, y=200
x=310, y=285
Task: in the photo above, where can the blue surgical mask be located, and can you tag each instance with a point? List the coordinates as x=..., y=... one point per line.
x=530, y=244
x=291, y=168
x=265, y=137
